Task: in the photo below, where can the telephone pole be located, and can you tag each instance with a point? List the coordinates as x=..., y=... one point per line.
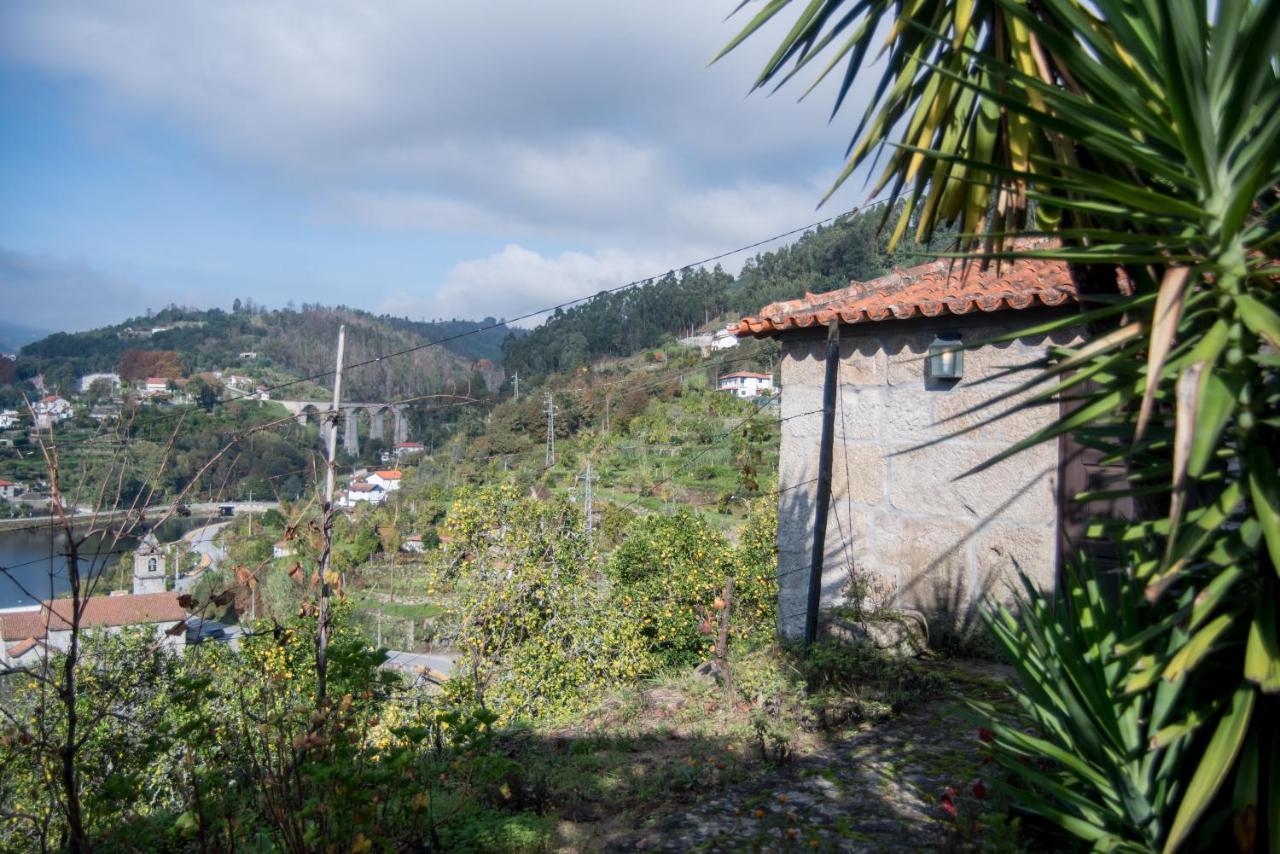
x=551, y=431
x=586, y=499
x=322, y=628
x=515, y=381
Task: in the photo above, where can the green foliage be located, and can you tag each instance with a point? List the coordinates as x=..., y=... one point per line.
x=537, y=630
x=1146, y=137
x=1110, y=763
x=670, y=573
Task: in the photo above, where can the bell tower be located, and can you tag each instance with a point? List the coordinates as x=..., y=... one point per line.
x=148, y=567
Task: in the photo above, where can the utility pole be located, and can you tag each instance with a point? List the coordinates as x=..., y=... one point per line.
x=586, y=498
x=823, y=497
x=322, y=630
x=551, y=431
x=515, y=381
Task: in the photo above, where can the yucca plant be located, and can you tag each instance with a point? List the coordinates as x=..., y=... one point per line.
x=1146, y=135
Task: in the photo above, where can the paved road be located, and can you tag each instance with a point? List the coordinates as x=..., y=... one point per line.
x=436, y=665
x=200, y=541
x=85, y=514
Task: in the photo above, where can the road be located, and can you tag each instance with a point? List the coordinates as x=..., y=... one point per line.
x=200, y=541
x=85, y=514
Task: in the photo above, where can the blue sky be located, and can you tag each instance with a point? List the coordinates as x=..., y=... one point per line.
x=432, y=160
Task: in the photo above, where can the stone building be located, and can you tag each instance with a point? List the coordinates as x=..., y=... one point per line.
x=149, y=567
x=901, y=518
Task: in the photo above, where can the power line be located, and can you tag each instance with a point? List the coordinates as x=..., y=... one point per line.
x=567, y=303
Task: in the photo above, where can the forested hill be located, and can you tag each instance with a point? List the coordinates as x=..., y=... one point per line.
x=617, y=324
x=288, y=343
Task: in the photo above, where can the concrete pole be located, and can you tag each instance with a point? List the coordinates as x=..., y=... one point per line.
x=322, y=632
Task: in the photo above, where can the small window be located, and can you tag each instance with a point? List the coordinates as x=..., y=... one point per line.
x=151, y=565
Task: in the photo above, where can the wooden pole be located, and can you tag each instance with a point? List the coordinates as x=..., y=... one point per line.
x=824, y=482
x=722, y=642
x=322, y=631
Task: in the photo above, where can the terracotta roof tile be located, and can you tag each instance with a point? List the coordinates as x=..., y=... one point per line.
x=20, y=625
x=388, y=474
x=127, y=610
x=939, y=287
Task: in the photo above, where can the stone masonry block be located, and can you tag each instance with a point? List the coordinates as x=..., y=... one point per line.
x=858, y=472
x=1001, y=550
x=927, y=558
x=863, y=361
x=963, y=408
x=927, y=480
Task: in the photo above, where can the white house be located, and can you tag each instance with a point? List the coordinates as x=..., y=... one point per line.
x=747, y=384
x=9, y=418
x=8, y=489
x=362, y=492
x=89, y=379
x=155, y=385
x=724, y=339
x=51, y=410
x=283, y=549
x=408, y=449
x=388, y=479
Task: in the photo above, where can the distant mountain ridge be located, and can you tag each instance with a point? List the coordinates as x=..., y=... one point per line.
x=14, y=336
x=296, y=342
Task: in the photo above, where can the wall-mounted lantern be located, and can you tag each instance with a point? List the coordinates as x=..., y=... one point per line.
x=946, y=358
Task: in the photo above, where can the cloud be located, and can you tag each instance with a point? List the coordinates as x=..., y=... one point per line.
x=582, y=120
x=515, y=281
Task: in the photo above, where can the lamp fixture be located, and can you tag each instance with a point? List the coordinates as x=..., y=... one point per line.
x=946, y=358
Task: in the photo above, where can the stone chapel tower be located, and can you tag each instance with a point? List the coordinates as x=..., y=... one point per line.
x=148, y=567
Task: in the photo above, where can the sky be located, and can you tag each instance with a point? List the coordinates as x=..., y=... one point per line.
x=448, y=159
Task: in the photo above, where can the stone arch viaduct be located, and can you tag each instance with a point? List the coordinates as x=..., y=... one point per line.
x=303, y=410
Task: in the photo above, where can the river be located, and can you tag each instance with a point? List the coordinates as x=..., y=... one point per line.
x=35, y=566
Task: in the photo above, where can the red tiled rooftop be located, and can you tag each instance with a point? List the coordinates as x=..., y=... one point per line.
x=20, y=625
x=746, y=375
x=128, y=610
x=23, y=648
x=928, y=290
x=99, y=612
x=386, y=474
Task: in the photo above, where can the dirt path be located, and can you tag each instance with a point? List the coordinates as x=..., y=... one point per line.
x=877, y=790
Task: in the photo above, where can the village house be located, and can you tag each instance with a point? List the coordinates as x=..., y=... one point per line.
x=387, y=479
x=747, y=384
x=27, y=633
x=113, y=379
x=9, y=418
x=408, y=449
x=413, y=544
x=901, y=518
x=362, y=492
x=155, y=386
x=9, y=490
x=51, y=410
x=283, y=548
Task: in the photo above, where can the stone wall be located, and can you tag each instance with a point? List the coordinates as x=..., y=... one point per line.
x=898, y=515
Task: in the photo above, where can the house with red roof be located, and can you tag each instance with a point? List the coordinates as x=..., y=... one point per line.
x=910, y=401
x=387, y=479
x=28, y=631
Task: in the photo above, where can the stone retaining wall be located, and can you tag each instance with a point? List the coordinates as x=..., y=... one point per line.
x=897, y=514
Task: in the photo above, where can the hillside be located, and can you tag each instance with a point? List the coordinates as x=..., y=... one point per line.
x=295, y=343
x=617, y=324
